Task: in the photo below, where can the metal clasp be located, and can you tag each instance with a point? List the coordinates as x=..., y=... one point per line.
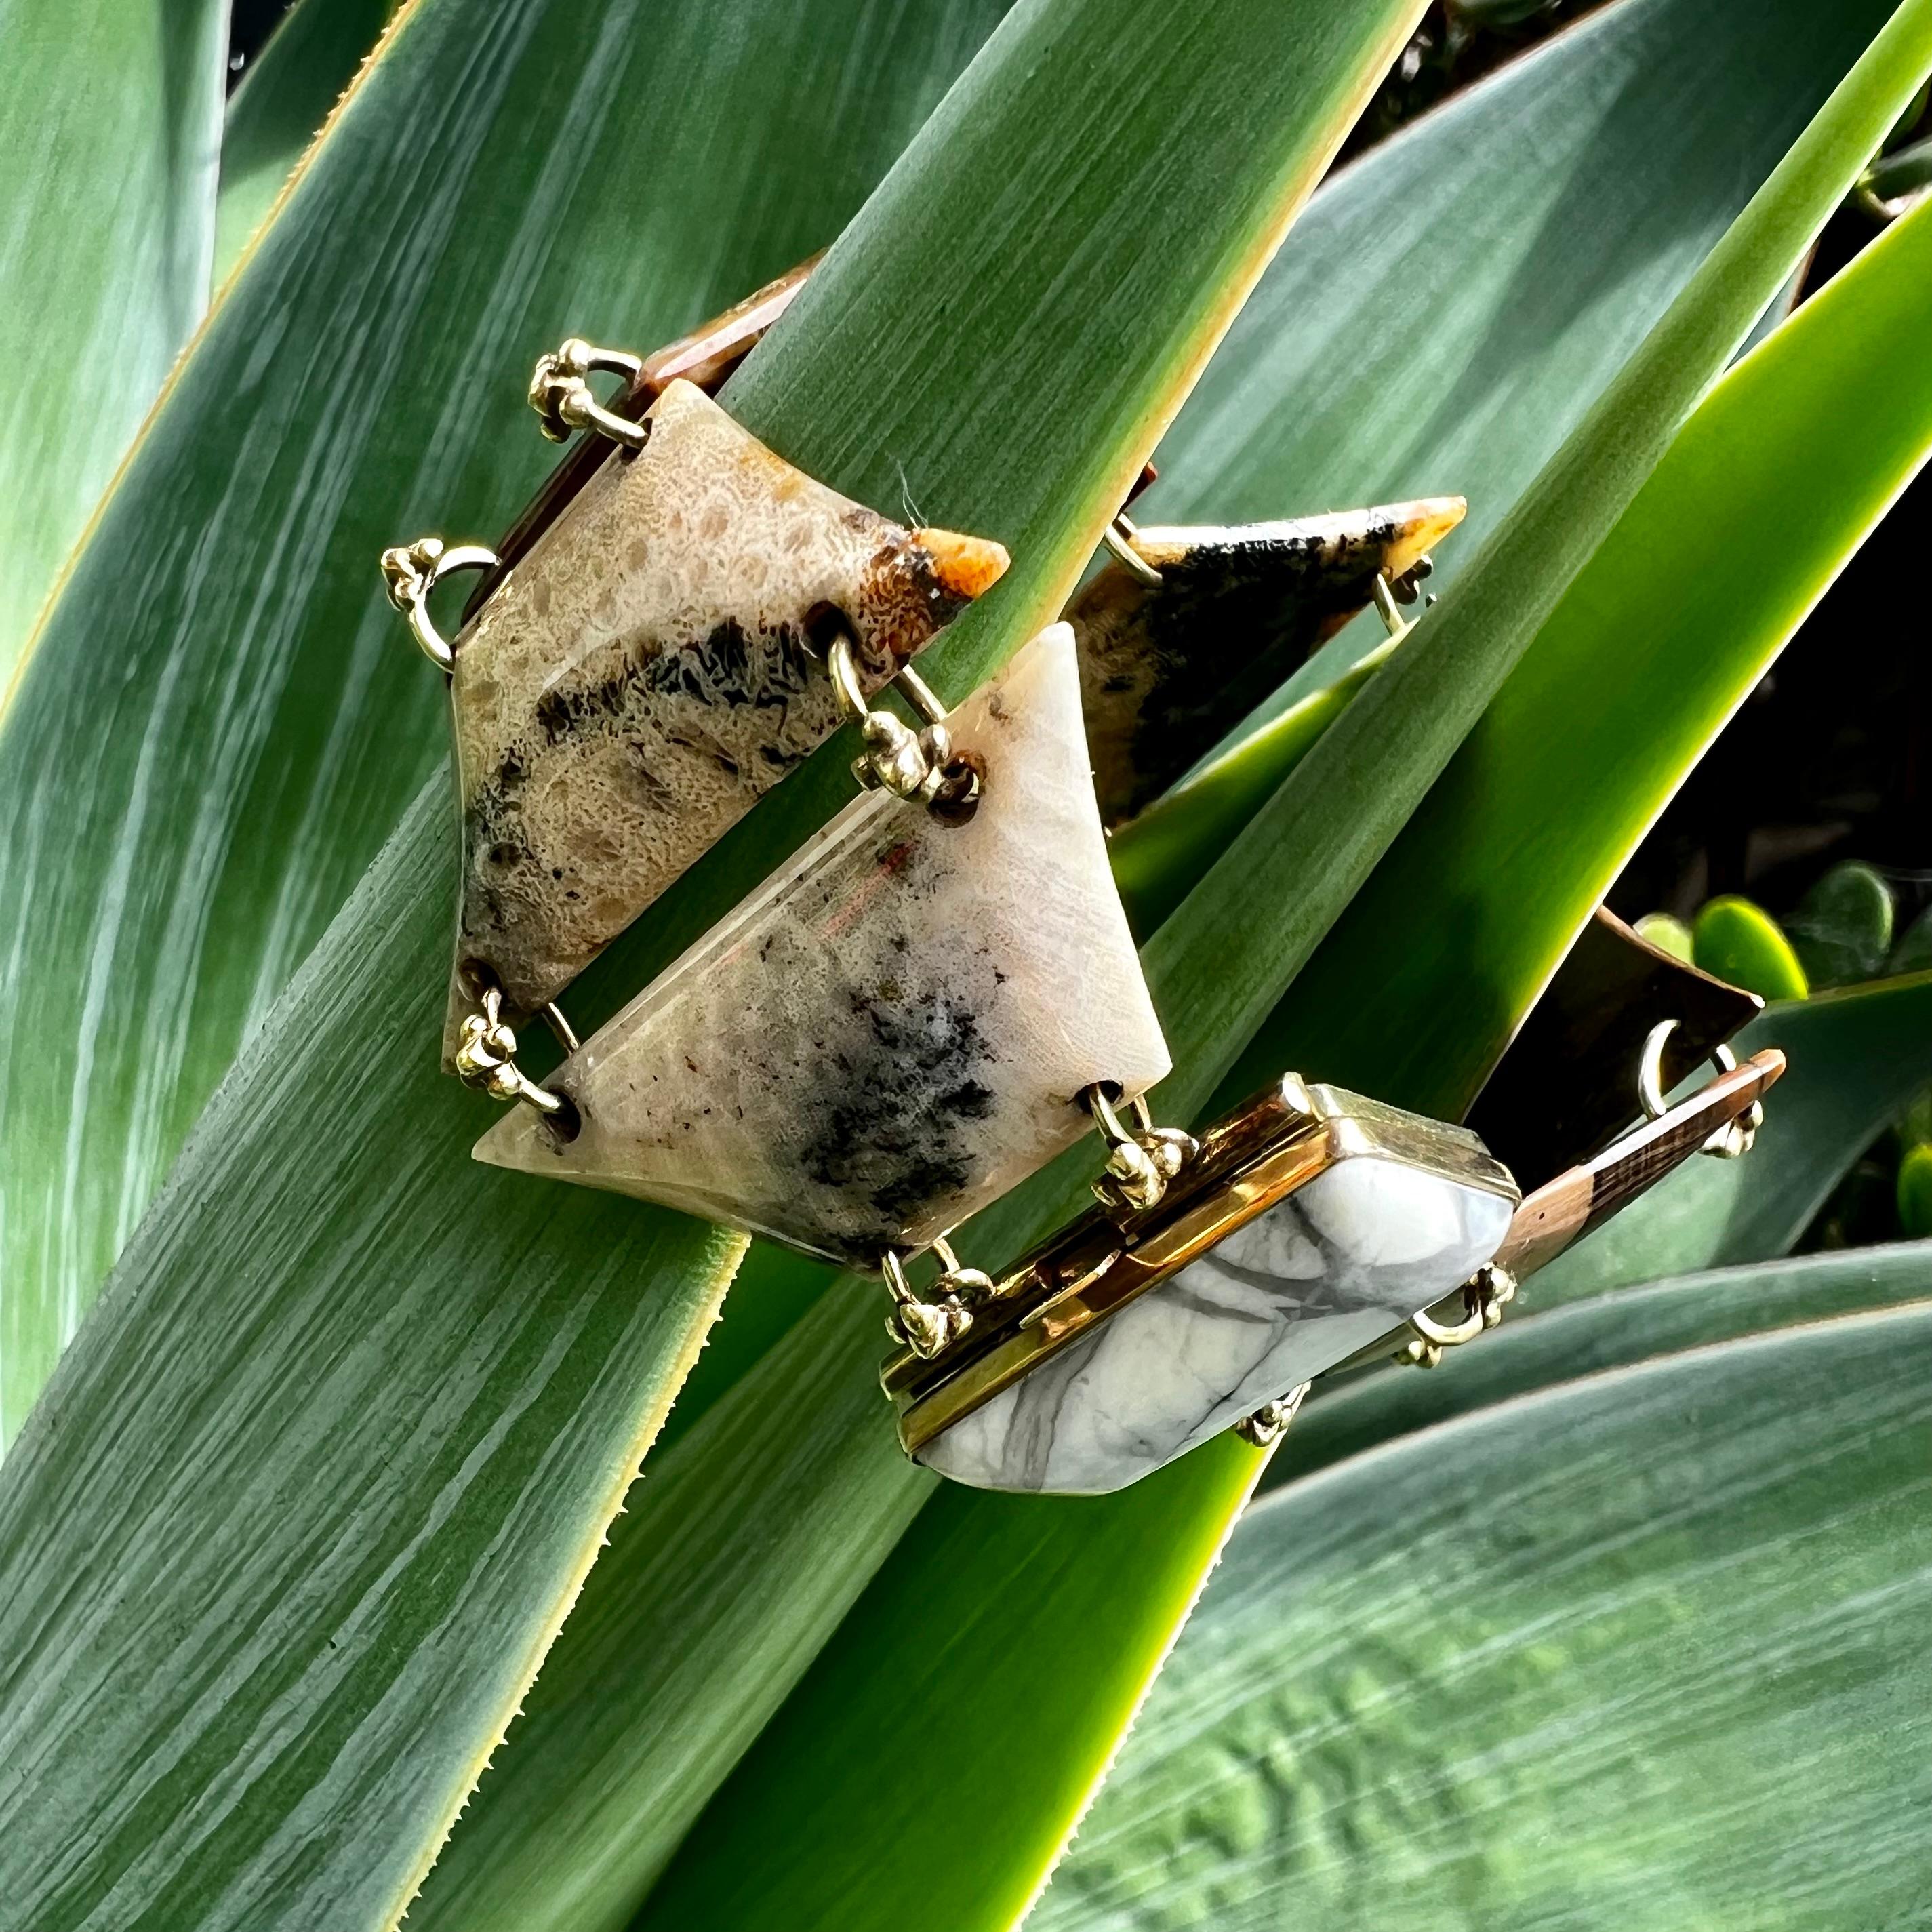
x=1268, y=1422
x=564, y=402
x=1391, y=591
x=1119, y=537
x=411, y=571
x=1140, y=1160
x=917, y=766
x=486, y=1057
x=1734, y=1137
x=927, y=1326
x=1485, y=1295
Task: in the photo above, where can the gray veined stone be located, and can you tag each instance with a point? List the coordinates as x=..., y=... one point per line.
x=894, y=1029
x=1350, y=1255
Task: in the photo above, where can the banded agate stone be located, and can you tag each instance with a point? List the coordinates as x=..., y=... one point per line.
x=893, y=1030
x=1167, y=670
x=641, y=677
x=1350, y=1255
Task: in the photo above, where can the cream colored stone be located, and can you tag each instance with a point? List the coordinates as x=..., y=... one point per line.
x=892, y=1032
x=641, y=677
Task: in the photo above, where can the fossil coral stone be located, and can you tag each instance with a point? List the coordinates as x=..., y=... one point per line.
x=1165, y=671
x=1350, y=1254
x=642, y=676
x=894, y=1028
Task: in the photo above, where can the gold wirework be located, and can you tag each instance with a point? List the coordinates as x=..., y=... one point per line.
x=917, y=766
x=1485, y=1295
x=929, y=1325
x=1268, y=1422
x=1734, y=1137
x=564, y=403
x=1394, y=622
x=486, y=1058
x=1140, y=1161
x=411, y=572
x=1119, y=537
x=920, y=695
x=1391, y=591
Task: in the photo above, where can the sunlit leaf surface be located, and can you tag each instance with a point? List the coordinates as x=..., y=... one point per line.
x=1647, y=1650
x=1027, y=1732
x=110, y=134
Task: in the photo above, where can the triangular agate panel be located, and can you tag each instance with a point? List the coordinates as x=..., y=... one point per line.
x=1168, y=669
x=641, y=677
x=893, y=1030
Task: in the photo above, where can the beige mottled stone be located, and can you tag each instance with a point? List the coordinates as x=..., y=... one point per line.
x=893, y=1030
x=642, y=676
x=1167, y=671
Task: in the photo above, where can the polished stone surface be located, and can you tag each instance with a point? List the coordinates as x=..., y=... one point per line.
x=641, y=678
x=1346, y=1257
x=893, y=1031
x=1167, y=672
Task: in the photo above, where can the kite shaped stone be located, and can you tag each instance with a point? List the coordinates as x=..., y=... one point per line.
x=645, y=672
x=895, y=1030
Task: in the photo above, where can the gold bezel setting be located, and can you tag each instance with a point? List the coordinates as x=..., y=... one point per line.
x=1080, y=1277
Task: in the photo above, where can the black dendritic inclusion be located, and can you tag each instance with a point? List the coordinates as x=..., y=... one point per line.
x=906, y=1078
x=1228, y=625
x=730, y=671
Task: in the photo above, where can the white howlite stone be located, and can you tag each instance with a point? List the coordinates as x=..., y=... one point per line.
x=1350, y=1255
x=894, y=1029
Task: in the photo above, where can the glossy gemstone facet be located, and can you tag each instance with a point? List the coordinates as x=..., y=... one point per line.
x=1167, y=670
x=1350, y=1254
x=643, y=675
x=894, y=1029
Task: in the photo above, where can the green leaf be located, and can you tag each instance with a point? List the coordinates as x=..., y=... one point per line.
x=818, y=1815
x=1315, y=841
x=190, y=1478
x=1905, y=172
x=1759, y=503
x=1913, y=952
x=261, y=722
x=1533, y=1351
x=1914, y=1191
x=1841, y=930
x=861, y=1836
x=1648, y=1650
x=284, y=97
x=668, y=1669
x=110, y=119
x=1159, y=856
x=1668, y=934
x=1856, y=1058
x=1741, y=942
x=1456, y=301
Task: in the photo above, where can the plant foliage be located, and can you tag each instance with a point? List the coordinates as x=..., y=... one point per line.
x=315, y=1427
